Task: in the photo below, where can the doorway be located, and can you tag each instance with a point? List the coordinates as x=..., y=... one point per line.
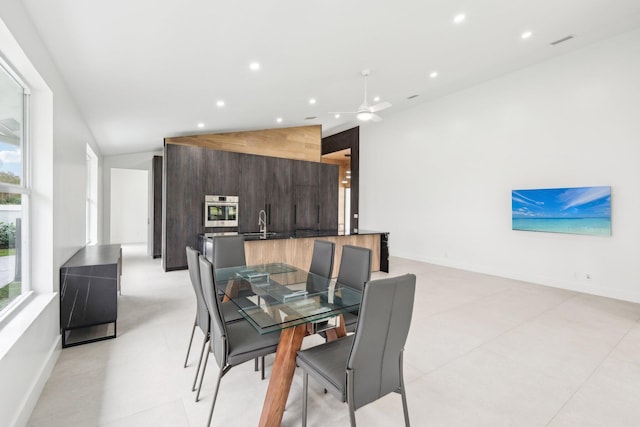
x=345, y=146
x=342, y=158
x=129, y=206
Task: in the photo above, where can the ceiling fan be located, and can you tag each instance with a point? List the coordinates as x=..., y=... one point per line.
x=365, y=111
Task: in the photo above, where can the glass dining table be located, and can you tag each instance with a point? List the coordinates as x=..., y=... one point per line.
x=280, y=297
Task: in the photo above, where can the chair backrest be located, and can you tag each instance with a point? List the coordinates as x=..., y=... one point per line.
x=355, y=266
x=381, y=333
x=322, y=258
x=228, y=251
x=218, y=330
x=321, y=266
x=202, y=314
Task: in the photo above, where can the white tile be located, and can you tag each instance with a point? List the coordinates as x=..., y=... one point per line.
x=172, y=414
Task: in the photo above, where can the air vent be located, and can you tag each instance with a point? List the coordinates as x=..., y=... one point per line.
x=311, y=117
x=412, y=96
x=564, y=39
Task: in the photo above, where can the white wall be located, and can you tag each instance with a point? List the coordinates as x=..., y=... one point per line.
x=138, y=161
x=30, y=342
x=439, y=177
x=129, y=205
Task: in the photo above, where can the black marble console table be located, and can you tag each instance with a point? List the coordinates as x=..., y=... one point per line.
x=89, y=283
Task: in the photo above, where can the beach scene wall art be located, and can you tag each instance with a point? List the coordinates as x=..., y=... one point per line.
x=581, y=210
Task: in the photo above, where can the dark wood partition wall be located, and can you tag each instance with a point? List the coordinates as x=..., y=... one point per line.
x=190, y=174
x=342, y=141
x=157, y=206
x=261, y=182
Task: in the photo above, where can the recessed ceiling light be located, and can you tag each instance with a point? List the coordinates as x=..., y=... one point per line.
x=200, y=125
x=433, y=74
x=459, y=18
x=376, y=99
x=526, y=35
x=337, y=116
x=255, y=66
x=312, y=101
x=279, y=120
x=220, y=103
x=344, y=181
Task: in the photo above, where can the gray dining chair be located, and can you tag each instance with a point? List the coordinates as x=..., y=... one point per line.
x=321, y=265
x=229, y=309
x=361, y=368
x=231, y=343
x=228, y=251
x=355, y=271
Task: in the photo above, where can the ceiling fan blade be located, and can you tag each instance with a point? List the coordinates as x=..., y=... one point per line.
x=376, y=118
x=379, y=107
x=343, y=112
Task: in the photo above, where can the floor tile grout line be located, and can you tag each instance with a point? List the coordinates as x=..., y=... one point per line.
x=593, y=371
x=471, y=350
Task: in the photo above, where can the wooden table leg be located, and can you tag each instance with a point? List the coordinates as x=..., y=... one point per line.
x=281, y=376
x=337, y=332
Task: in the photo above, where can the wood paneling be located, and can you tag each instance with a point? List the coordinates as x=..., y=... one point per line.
x=297, y=252
x=298, y=143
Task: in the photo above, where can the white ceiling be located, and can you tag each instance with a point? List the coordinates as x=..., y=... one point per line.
x=142, y=70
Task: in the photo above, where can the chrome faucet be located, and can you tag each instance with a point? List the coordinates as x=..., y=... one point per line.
x=262, y=222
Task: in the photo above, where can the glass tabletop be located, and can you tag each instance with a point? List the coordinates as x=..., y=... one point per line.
x=275, y=296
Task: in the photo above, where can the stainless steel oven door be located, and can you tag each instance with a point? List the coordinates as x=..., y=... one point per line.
x=221, y=211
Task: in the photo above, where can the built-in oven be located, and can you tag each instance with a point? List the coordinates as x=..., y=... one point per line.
x=220, y=211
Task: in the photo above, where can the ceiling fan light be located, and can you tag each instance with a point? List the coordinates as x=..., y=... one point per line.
x=365, y=116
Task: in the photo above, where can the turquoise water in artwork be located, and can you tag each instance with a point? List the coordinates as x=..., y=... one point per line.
x=590, y=226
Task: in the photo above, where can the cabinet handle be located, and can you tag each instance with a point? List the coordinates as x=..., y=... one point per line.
x=295, y=214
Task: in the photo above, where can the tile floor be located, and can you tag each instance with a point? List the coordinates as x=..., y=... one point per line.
x=482, y=351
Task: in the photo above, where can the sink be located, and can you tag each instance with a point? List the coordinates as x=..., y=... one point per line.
x=259, y=234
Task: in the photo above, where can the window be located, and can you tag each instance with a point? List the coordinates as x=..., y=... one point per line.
x=92, y=197
x=14, y=186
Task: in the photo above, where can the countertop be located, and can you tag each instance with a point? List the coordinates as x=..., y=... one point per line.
x=297, y=234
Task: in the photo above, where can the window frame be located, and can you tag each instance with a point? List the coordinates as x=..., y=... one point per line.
x=24, y=189
x=91, y=229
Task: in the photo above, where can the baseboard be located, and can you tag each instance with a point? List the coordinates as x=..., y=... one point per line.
x=37, y=386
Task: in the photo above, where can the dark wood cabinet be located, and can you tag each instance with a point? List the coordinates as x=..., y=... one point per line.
x=305, y=207
x=183, y=202
x=222, y=170
x=279, y=198
x=328, y=197
x=252, y=192
x=315, y=193
x=190, y=174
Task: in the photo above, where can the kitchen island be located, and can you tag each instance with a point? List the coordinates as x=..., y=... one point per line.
x=295, y=248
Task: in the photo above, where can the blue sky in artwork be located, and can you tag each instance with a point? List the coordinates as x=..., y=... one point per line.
x=582, y=202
